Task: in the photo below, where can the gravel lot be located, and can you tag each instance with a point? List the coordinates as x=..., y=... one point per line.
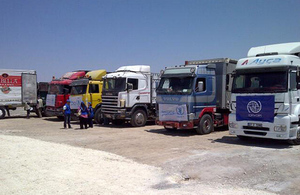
x=37, y=156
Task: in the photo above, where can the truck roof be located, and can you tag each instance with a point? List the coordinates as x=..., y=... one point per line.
x=17, y=71
x=216, y=60
x=68, y=78
x=96, y=75
x=134, y=68
x=275, y=49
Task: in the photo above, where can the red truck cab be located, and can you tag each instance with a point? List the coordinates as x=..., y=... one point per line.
x=59, y=92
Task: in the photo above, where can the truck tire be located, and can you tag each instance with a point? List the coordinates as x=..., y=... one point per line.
x=2, y=112
x=139, y=118
x=206, y=125
x=294, y=142
x=98, y=118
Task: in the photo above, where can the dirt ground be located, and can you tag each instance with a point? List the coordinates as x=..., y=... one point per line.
x=38, y=156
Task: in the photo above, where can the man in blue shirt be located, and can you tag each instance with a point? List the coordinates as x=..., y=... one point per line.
x=67, y=114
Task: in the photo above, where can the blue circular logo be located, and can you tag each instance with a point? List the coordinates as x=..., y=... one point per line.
x=180, y=110
x=254, y=107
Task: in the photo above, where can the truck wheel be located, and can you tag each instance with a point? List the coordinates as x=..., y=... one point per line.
x=294, y=141
x=139, y=118
x=118, y=122
x=98, y=118
x=2, y=112
x=206, y=125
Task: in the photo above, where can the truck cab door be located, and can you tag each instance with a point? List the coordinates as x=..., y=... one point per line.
x=94, y=94
x=133, y=94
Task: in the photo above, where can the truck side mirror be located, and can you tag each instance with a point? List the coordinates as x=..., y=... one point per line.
x=200, y=87
x=129, y=87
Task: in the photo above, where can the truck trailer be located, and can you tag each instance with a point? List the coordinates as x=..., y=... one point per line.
x=17, y=88
x=129, y=95
x=265, y=101
x=195, y=95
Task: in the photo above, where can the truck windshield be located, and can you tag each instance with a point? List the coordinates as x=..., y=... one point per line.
x=271, y=82
x=58, y=89
x=114, y=84
x=175, y=85
x=78, y=90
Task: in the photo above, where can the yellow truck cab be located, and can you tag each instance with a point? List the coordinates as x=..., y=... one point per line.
x=88, y=89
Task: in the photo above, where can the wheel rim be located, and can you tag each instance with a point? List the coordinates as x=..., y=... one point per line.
x=1, y=112
x=207, y=125
x=139, y=119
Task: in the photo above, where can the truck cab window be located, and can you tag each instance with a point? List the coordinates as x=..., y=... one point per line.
x=134, y=83
x=94, y=88
x=293, y=81
x=204, y=84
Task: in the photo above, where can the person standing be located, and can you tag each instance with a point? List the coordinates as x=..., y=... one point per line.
x=27, y=108
x=91, y=115
x=67, y=114
x=83, y=115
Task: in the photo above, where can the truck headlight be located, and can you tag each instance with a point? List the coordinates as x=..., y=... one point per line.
x=122, y=103
x=280, y=128
x=191, y=116
x=233, y=125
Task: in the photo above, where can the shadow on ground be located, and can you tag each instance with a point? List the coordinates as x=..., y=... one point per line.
x=254, y=142
x=181, y=132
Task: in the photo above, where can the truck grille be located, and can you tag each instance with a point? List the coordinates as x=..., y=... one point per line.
x=109, y=104
x=256, y=128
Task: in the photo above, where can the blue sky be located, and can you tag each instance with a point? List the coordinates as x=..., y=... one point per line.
x=57, y=36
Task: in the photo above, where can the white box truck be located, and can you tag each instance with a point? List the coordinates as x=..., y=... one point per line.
x=17, y=88
x=129, y=95
x=265, y=98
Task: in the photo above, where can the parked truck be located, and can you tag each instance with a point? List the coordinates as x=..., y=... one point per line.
x=129, y=95
x=17, y=88
x=195, y=95
x=59, y=92
x=265, y=99
x=88, y=89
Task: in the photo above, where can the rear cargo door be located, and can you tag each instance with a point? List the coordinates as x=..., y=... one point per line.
x=29, y=88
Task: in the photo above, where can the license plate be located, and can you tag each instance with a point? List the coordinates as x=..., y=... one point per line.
x=254, y=124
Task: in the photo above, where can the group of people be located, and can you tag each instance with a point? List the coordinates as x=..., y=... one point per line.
x=85, y=113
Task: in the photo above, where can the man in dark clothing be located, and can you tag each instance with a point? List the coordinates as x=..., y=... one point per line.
x=67, y=114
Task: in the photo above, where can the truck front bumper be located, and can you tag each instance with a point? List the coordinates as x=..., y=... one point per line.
x=54, y=112
x=281, y=128
x=121, y=114
x=177, y=125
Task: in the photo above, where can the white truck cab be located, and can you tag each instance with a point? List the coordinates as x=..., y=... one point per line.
x=129, y=95
x=265, y=98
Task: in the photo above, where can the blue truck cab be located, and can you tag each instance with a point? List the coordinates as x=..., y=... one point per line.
x=195, y=95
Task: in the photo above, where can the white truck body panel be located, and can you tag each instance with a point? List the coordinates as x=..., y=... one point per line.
x=14, y=92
